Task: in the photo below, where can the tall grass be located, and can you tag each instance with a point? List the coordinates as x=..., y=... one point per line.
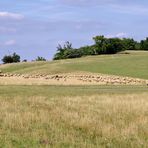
x=105, y=120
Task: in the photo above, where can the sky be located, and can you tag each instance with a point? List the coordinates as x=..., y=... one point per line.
x=34, y=28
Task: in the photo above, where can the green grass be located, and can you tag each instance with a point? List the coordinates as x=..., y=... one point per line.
x=134, y=64
x=72, y=91
x=73, y=116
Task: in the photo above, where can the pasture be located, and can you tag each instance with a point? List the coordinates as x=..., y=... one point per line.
x=87, y=102
x=133, y=64
x=76, y=116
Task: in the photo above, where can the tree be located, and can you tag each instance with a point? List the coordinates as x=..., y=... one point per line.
x=87, y=50
x=63, y=51
x=40, y=59
x=99, y=44
x=129, y=44
x=14, y=58
x=7, y=59
x=144, y=44
x=107, y=45
x=73, y=53
x=102, y=45
x=25, y=60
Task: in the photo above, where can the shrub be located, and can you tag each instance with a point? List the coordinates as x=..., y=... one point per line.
x=40, y=59
x=14, y=58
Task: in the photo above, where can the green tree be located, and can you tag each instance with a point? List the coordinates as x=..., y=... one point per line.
x=14, y=58
x=102, y=45
x=7, y=59
x=40, y=59
x=99, y=44
x=144, y=44
x=63, y=51
x=25, y=60
x=88, y=50
x=129, y=44
x=108, y=45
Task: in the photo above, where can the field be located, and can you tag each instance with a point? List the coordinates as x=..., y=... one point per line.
x=36, y=113
x=76, y=116
x=134, y=64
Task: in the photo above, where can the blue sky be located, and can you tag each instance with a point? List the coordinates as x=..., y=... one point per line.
x=34, y=28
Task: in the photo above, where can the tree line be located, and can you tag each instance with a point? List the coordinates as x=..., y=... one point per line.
x=102, y=45
x=15, y=58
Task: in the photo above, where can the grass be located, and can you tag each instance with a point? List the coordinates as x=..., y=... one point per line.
x=134, y=64
x=76, y=116
x=64, y=91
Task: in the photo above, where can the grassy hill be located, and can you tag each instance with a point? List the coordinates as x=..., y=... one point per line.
x=134, y=64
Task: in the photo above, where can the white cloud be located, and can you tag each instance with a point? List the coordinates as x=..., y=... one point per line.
x=118, y=35
x=9, y=42
x=9, y=15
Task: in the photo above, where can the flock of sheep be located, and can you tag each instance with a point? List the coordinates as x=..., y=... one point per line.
x=82, y=78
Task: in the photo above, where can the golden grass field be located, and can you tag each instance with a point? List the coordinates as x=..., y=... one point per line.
x=111, y=120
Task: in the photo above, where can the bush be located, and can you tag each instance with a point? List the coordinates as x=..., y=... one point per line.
x=144, y=44
x=14, y=58
x=25, y=60
x=40, y=59
x=108, y=45
x=102, y=46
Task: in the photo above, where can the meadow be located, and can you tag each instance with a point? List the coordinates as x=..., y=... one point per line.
x=63, y=116
x=76, y=116
x=133, y=64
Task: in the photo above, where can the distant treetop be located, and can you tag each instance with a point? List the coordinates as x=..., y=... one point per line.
x=102, y=45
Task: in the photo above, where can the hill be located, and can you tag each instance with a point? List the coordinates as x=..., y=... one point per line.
x=133, y=64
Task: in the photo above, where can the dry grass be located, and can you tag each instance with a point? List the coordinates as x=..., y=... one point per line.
x=86, y=121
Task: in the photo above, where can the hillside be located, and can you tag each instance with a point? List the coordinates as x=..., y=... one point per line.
x=133, y=64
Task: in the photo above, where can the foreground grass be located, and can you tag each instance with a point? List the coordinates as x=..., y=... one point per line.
x=76, y=116
x=134, y=64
